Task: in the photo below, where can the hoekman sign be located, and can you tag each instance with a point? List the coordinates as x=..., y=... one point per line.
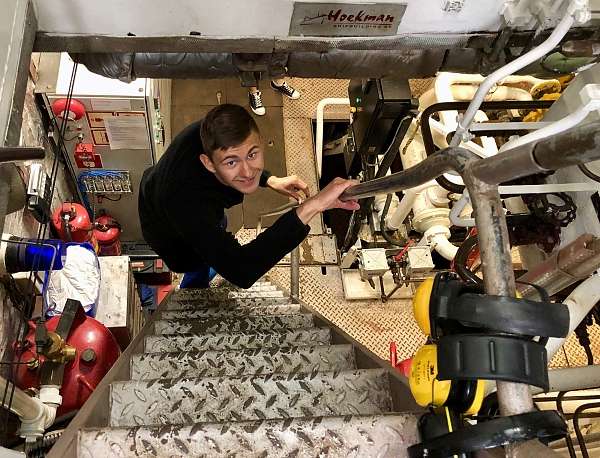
x=346, y=19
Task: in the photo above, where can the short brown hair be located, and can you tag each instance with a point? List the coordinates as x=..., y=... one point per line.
x=225, y=126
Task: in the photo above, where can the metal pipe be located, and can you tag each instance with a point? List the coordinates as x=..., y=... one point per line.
x=295, y=274
x=575, y=261
x=572, y=147
x=572, y=378
x=449, y=159
x=21, y=153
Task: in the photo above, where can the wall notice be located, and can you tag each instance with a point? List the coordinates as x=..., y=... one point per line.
x=111, y=104
x=96, y=118
x=127, y=132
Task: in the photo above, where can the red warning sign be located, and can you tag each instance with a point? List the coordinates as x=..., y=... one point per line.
x=85, y=158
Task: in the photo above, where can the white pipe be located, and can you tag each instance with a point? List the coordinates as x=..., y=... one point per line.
x=36, y=414
x=460, y=205
x=404, y=207
x=319, y=137
x=23, y=405
x=438, y=241
x=535, y=54
x=571, y=379
x=467, y=92
x=395, y=220
x=580, y=302
x=550, y=187
x=557, y=127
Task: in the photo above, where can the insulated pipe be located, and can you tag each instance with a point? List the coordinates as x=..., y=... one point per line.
x=465, y=92
x=581, y=300
x=23, y=405
x=319, y=137
x=535, y=54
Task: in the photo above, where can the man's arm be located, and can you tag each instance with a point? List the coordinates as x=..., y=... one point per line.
x=243, y=265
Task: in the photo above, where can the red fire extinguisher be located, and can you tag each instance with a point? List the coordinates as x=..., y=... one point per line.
x=95, y=351
x=72, y=222
x=107, y=231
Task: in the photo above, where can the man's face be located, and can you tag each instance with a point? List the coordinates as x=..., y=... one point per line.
x=240, y=166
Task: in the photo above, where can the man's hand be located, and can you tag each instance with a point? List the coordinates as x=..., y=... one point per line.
x=326, y=199
x=291, y=186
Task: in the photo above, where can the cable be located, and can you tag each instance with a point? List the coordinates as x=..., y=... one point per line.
x=104, y=196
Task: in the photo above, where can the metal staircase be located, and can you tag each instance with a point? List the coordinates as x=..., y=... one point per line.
x=227, y=372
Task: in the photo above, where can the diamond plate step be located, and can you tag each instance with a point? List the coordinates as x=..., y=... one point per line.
x=194, y=304
x=197, y=342
x=225, y=293
x=192, y=293
x=195, y=400
x=383, y=436
x=284, y=309
x=242, y=362
x=234, y=324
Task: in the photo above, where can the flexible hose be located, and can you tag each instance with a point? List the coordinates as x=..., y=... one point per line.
x=42, y=445
x=460, y=261
x=386, y=236
x=588, y=173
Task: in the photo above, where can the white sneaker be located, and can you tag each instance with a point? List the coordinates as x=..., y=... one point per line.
x=286, y=90
x=256, y=103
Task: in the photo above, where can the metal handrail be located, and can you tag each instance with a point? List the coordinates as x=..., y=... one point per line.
x=294, y=254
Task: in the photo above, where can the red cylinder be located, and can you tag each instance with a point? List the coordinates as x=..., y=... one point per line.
x=97, y=350
x=75, y=111
x=72, y=222
x=107, y=232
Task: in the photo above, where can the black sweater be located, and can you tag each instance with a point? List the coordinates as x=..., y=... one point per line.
x=181, y=204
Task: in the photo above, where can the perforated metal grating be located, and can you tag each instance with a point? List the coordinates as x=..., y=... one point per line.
x=371, y=322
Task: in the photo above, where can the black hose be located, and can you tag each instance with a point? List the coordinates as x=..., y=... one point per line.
x=460, y=261
x=352, y=232
x=578, y=411
x=42, y=445
x=385, y=235
x=588, y=173
x=568, y=439
x=429, y=144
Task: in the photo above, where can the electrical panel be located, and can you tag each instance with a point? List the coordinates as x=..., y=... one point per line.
x=106, y=182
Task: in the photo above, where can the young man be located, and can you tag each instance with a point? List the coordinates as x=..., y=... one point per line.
x=209, y=167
